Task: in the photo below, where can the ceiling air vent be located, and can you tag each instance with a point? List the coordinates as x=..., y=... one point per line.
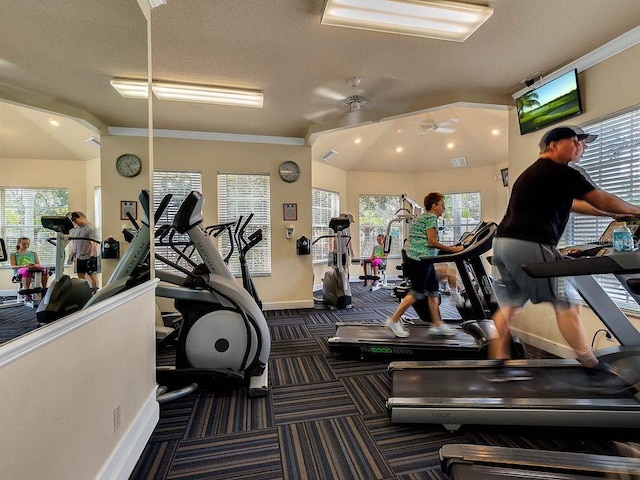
x=93, y=140
x=328, y=156
x=458, y=162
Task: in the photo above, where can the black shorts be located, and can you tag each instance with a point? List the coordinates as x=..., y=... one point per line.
x=423, y=277
x=88, y=266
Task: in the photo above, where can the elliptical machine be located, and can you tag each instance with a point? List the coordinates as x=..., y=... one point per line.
x=224, y=334
x=336, y=291
x=65, y=295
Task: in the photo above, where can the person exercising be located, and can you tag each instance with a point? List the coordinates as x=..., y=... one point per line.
x=424, y=242
x=530, y=231
x=84, y=252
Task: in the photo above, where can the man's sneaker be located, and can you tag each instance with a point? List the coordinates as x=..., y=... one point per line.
x=397, y=328
x=502, y=374
x=457, y=298
x=442, y=331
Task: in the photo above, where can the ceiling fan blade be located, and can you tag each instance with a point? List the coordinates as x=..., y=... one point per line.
x=324, y=115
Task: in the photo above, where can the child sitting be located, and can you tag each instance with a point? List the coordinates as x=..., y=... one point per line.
x=378, y=257
x=24, y=261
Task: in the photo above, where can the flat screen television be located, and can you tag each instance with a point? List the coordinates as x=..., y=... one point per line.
x=549, y=103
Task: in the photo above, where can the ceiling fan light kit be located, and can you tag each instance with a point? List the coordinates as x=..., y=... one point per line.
x=442, y=20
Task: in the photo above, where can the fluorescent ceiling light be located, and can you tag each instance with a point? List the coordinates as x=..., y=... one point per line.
x=190, y=93
x=443, y=20
x=131, y=88
x=200, y=94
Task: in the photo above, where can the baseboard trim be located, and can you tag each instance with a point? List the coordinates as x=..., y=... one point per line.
x=542, y=343
x=288, y=305
x=124, y=457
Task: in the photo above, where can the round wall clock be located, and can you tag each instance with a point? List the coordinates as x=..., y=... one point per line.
x=289, y=171
x=128, y=165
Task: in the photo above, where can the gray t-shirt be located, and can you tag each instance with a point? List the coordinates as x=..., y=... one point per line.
x=82, y=248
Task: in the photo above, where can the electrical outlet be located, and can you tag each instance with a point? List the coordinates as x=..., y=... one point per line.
x=608, y=336
x=116, y=417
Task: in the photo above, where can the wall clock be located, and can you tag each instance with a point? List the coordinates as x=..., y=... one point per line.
x=128, y=165
x=289, y=171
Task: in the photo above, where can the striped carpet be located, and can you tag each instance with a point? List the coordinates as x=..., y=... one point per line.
x=324, y=418
x=16, y=320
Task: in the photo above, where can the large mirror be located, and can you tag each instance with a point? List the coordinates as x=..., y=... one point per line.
x=62, y=127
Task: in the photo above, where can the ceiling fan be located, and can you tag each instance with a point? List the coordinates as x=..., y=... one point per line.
x=347, y=99
x=428, y=126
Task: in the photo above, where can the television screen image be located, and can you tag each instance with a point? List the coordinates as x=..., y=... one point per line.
x=549, y=103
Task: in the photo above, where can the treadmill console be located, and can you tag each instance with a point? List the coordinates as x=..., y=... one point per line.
x=603, y=246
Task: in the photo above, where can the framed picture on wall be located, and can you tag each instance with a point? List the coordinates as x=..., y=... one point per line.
x=127, y=206
x=290, y=211
x=505, y=176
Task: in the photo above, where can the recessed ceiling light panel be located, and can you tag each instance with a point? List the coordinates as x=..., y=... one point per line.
x=443, y=20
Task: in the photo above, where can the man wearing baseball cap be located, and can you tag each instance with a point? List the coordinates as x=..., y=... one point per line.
x=542, y=199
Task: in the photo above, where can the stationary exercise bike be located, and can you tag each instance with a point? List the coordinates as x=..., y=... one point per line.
x=223, y=334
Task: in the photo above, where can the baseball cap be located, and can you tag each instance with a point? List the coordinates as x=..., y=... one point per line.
x=565, y=131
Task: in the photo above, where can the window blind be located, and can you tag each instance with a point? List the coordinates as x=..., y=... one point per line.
x=179, y=184
x=613, y=163
x=325, y=205
x=241, y=194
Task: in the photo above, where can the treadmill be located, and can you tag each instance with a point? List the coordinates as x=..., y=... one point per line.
x=480, y=462
x=472, y=336
x=562, y=392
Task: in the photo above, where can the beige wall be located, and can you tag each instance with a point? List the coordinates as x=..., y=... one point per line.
x=606, y=88
x=62, y=385
x=290, y=282
x=73, y=175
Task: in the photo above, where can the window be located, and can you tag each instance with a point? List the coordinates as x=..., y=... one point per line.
x=240, y=195
x=20, y=212
x=375, y=212
x=462, y=214
x=97, y=210
x=613, y=163
x=324, y=206
x=179, y=184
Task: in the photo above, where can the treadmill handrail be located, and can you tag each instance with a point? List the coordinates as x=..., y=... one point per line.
x=538, y=460
x=619, y=262
x=481, y=243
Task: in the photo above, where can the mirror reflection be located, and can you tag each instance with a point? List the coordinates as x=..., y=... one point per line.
x=63, y=127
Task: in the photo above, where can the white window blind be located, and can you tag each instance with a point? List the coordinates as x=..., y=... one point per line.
x=325, y=205
x=613, y=163
x=20, y=213
x=462, y=214
x=179, y=184
x=241, y=194
x=375, y=212
x=97, y=210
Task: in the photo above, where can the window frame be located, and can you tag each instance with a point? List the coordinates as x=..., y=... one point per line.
x=320, y=216
x=612, y=161
x=34, y=231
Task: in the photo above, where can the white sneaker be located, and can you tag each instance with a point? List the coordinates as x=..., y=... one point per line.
x=457, y=298
x=442, y=331
x=397, y=328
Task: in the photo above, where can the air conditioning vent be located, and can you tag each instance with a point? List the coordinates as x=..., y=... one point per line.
x=458, y=162
x=328, y=156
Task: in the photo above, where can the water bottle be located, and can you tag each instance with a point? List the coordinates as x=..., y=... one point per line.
x=622, y=239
